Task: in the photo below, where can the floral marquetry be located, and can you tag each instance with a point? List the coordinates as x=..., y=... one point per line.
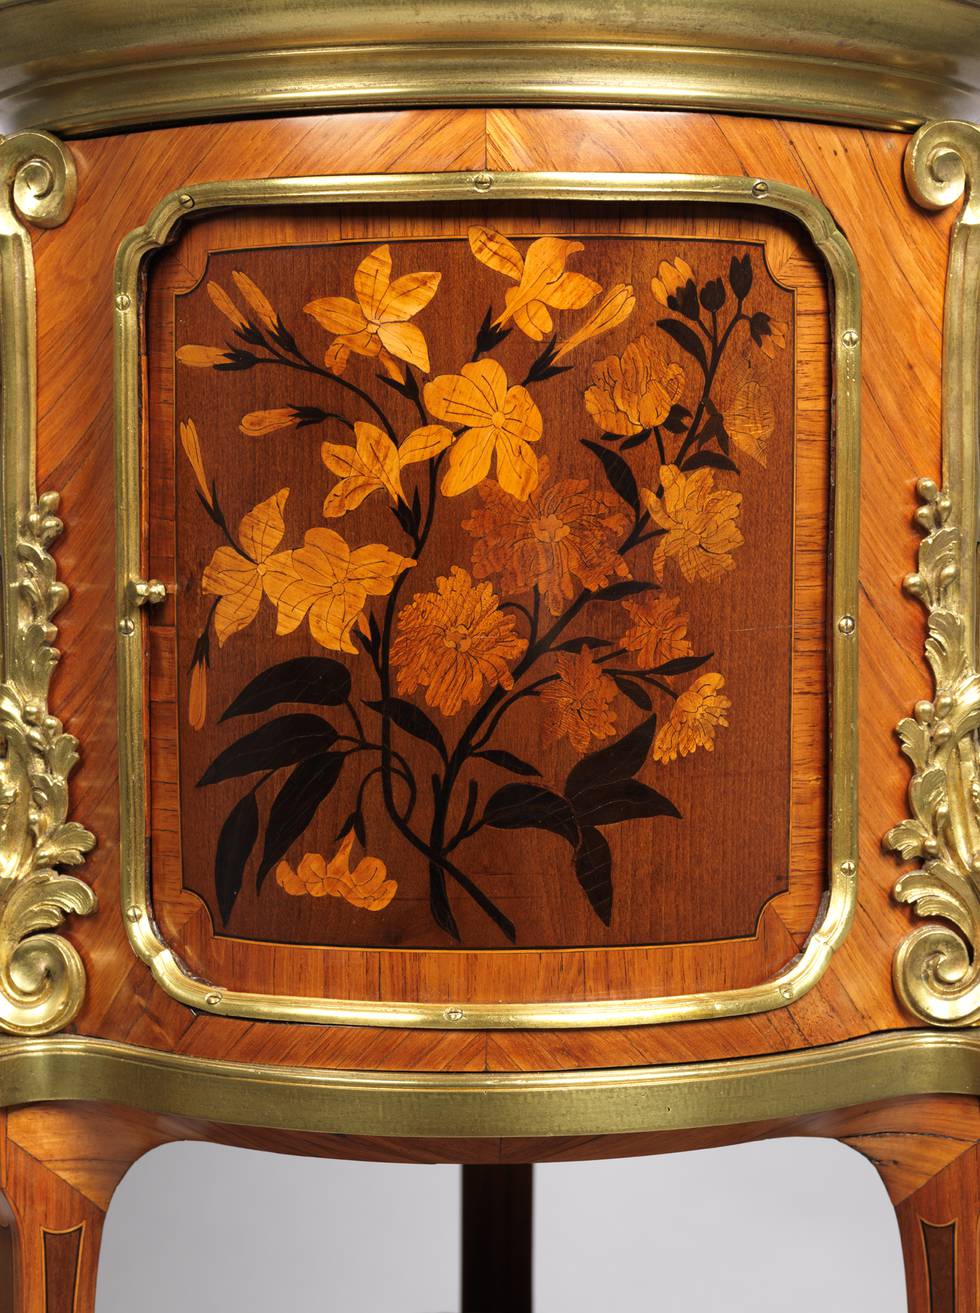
x=484, y=542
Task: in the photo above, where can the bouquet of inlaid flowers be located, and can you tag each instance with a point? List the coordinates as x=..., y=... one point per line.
x=516, y=619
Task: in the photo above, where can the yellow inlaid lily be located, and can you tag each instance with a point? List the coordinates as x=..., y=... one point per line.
x=236, y=576
x=541, y=277
x=327, y=581
x=377, y=323
x=376, y=463
x=499, y=420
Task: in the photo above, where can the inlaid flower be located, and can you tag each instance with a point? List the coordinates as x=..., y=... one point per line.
x=375, y=464
x=455, y=641
x=694, y=719
x=328, y=582
x=579, y=701
x=378, y=322
x=366, y=886
x=658, y=633
x=675, y=287
x=190, y=441
x=235, y=576
x=634, y=391
x=699, y=522
x=498, y=421
x=557, y=535
x=616, y=306
x=541, y=277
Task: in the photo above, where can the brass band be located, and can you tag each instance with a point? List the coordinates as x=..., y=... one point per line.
x=81, y=66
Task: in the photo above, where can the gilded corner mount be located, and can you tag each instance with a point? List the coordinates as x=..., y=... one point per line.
x=937, y=969
x=42, y=980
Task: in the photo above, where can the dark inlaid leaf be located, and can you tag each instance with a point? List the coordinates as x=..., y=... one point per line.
x=530, y=807
x=593, y=870
x=279, y=742
x=442, y=912
x=681, y=665
x=508, y=761
x=717, y=460
x=625, y=588
x=619, y=762
x=686, y=338
x=621, y=800
x=618, y=473
x=635, y=692
x=319, y=681
x=235, y=844
x=295, y=806
x=676, y=419
x=412, y=719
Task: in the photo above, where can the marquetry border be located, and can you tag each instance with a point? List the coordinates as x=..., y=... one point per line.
x=133, y=591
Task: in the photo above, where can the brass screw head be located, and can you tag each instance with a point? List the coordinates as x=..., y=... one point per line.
x=847, y=625
x=453, y=1014
x=760, y=189
x=849, y=337
x=123, y=302
x=483, y=181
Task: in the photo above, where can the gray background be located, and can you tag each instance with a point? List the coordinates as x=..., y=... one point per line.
x=787, y=1226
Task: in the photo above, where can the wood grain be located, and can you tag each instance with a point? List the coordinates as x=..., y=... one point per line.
x=901, y=252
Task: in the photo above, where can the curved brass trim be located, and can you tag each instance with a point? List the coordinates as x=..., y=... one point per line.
x=937, y=967
x=478, y=1104
x=42, y=980
x=127, y=62
x=800, y=975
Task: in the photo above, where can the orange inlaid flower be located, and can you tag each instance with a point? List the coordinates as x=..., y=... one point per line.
x=699, y=521
x=236, y=576
x=377, y=323
x=658, y=634
x=223, y=302
x=694, y=719
x=366, y=886
x=376, y=463
x=578, y=701
x=330, y=583
x=259, y=303
x=634, y=391
x=541, y=278
x=197, y=696
x=558, y=533
x=616, y=306
x=257, y=423
x=191, y=443
x=453, y=641
x=206, y=357
x=750, y=419
x=498, y=420
x=673, y=274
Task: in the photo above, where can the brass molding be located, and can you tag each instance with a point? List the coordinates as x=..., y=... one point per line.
x=42, y=980
x=124, y=63
x=804, y=971
x=615, y=1101
x=937, y=968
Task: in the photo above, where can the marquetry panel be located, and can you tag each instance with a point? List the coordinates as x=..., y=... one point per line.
x=626, y=606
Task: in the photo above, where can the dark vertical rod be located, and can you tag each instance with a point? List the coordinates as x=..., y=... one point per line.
x=497, y=1239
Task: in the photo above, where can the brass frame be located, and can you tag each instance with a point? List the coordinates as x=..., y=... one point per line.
x=448, y=1105
x=804, y=972
x=42, y=980
x=937, y=967
x=846, y=61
